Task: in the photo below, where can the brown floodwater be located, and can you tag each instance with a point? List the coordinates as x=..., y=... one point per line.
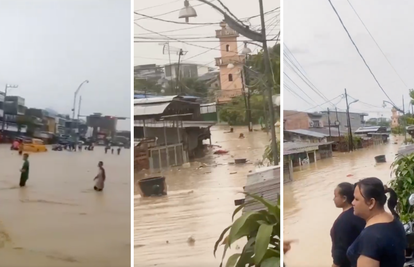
x=200, y=203
x=58, y=220
x=309, y=211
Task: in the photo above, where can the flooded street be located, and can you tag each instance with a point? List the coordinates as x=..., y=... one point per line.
x=58, y=220
x=200, y=203
x=309, y=211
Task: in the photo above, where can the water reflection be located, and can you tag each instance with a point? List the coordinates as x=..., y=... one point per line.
x=309, y=211
x=200, y=202
x=58, y=220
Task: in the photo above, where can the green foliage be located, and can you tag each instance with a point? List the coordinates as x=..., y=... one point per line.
x=260, y=229
x=234, y=113
x=357, y=141
x=403, y=185
x=268, y=154
x=188, y=86
x=397, y=130
x=148, y=86
x=256, y=62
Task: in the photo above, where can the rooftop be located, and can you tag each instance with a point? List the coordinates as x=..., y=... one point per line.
x=290, y=148
x=307, y=133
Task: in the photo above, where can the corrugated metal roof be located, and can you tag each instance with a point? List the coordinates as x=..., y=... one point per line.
x=168, y=124
x=290, y=148
x=157, y=99
x=308, y=133
x=265, y=183
x=150, y=109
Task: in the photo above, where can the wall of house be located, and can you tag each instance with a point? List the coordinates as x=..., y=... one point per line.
x=294, y=120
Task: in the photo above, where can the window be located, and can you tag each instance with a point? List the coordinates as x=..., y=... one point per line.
x=227, y=48
x=230, y=77
x=316, y=124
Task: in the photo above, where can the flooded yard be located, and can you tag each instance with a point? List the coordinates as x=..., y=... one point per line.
x=199, y=204
x=309, y=211
x=58, y=220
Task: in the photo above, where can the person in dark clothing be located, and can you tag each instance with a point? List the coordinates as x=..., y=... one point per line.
x=24, y=171
x=346, y=227
x=119, y=150
x=382, y=243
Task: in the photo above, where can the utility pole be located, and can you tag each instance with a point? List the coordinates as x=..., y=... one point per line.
x=178, y=73
x=270, y=84
x=329, y=123
x=246, y=94
x=350, y=138
x=404, y=121
x=339, y=125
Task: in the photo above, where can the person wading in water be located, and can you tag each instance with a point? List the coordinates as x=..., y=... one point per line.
x=24, y=171
x=100, y=178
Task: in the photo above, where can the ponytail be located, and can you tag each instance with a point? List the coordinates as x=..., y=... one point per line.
x=392, y=201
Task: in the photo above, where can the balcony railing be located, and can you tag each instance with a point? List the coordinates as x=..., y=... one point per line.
x=226, y=32
x=224, y=61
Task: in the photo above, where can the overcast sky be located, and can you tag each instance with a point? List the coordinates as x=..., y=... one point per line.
x=314, y=35
x=49, y=47
x=152, y=53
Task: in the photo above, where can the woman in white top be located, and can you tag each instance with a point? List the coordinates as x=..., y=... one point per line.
x=100, y=178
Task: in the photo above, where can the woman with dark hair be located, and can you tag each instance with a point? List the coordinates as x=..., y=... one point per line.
x=382, y=243
x=346, y=227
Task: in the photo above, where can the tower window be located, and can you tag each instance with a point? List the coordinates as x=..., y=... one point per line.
x=230, y=77
x=227, y=48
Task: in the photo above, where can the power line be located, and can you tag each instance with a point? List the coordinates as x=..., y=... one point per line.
x=231, y=14
x=146, y=8
x=174, y=40
x=357, y=49
x=296, y=94
x=171, y=21
x=306, y=79
x=176, y=30
x=166, y=13
x=298, y=87
x=372, y=37
x=320, y=105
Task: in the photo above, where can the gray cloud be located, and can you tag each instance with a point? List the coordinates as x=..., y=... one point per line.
x=49, y=48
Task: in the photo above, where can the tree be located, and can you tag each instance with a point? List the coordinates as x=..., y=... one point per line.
x=148, y=86
x=188, y=86
x=403, y=185
x=234, y=113
x=257, y=64
x=261, y=229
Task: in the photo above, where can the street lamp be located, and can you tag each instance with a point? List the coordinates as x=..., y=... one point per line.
x=246, y=50
x=187, y=12
x=74, y=104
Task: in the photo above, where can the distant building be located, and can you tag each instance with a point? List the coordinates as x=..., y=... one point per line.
x=319, y=122
x=187, y=70
x=149, y=72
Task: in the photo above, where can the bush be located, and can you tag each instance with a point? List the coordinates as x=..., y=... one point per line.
x=403, y=185
x=261, y=230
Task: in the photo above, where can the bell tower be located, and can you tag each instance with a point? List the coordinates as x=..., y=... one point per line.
x=230, y=64
x=394, y=118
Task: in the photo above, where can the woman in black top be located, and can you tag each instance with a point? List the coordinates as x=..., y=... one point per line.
x=347, y=226
x=382, y=243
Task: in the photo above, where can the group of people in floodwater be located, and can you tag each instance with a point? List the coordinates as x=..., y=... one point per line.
x=365, y=234
x=17, y=144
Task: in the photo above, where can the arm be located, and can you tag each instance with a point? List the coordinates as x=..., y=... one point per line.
x=340, y=242
x=364, y=261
